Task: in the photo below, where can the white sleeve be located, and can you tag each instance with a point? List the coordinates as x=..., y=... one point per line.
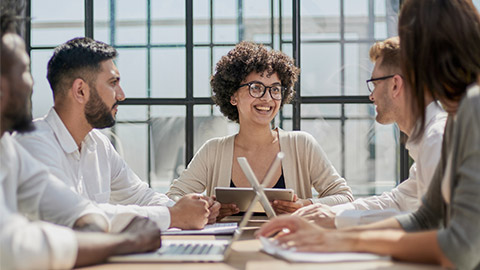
x=127, y=188
x=40, y=195
x=402, y=198
x=34, y=245
x=121, y=215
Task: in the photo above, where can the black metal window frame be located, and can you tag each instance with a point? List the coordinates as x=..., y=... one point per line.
x=190, y=101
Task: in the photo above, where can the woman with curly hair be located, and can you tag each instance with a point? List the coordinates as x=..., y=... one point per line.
x=250, y=85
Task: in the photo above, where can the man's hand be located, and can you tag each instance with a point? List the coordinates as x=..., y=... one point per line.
x=190, y=212
x=286, y=207
x=321, y=214
x=142, y=235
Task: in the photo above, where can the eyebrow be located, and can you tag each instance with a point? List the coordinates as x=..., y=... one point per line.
x=275, y=83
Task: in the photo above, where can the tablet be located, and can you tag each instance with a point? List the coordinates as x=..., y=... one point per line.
x=243, y=196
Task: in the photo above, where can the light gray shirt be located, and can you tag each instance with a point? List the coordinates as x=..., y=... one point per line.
x=454, y=209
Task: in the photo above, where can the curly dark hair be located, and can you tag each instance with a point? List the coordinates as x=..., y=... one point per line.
x=245, y=58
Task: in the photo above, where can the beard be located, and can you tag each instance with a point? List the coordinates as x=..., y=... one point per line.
x=97, y=113
x=20, y=117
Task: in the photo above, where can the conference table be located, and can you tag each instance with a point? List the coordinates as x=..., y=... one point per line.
x=247, y=254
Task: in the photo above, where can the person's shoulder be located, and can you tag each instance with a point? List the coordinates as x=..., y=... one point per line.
x=470, y=104
x=100, y=137
x=473, y=95
x=220, y=141
x=42, y=133
x=296, y=135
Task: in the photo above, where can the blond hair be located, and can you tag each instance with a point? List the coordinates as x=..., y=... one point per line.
x=389, y=51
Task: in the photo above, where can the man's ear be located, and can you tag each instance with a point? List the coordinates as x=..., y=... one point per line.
x=80, y=91
x=398, y=86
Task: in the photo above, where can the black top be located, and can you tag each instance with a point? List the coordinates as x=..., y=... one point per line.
x=280, y=183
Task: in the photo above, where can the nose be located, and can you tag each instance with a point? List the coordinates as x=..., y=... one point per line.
x=119, y=94
x=267, y=95
x=371, y=97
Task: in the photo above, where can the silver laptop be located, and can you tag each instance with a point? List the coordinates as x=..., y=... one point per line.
x=208, y=250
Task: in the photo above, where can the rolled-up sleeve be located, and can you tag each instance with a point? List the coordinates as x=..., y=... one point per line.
x=34, y=245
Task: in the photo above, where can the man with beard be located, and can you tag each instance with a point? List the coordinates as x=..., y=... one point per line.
x=86, y=89
x=392, y=100
x=31, y=197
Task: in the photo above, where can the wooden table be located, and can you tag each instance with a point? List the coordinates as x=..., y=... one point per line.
x=246, y=255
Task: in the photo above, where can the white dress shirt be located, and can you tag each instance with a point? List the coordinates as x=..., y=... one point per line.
x=406, y=197
x=96, y=171
x=28, y=188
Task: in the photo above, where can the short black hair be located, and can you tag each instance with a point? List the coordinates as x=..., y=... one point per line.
x=77, y=58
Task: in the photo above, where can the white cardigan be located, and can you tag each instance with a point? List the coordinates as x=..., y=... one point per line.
x=305, y=165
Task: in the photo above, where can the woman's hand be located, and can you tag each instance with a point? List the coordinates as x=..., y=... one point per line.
x=301, y=235
x=321, y=214
x=226, y=209
x=286, y=207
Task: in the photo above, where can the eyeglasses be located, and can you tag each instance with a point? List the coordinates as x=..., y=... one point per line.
x=371, y=85
x=258, y=89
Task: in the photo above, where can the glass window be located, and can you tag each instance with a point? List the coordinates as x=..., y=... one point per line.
x=150, y=36
x=50, y=27
x=42, y=96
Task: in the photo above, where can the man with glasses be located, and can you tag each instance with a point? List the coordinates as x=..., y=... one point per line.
x=86, y=88
x=392, y=100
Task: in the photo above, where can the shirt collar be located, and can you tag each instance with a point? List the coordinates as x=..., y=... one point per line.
x=431, y=111
x=64, y=137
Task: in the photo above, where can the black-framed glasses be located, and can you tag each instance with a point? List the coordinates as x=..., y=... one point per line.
x=258, y=89
x=371, y=85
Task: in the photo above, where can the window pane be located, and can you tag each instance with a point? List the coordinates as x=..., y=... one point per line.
x=358, y=68
x=131, y=143
x=327, y=133
x=256, y=19
x=42, y=97
x=209, y=123
x=130, y=22
x=168, y=72
x=168, y=22
x=201, y=21
x=131, y=64
x=201, y=72
x=369, y=160
x=320, y=19
x=132, y=113
x=51, y=27
x=101, y=17
x=320, y=67
x=167, y=145
x=225, y=29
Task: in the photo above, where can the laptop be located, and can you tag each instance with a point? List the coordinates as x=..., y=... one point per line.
x=208, y=250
